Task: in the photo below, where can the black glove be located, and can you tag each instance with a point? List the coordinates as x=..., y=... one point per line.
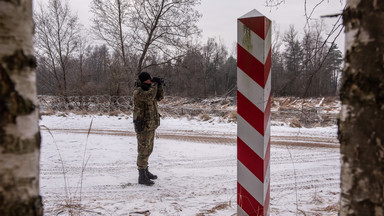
x=158, y=80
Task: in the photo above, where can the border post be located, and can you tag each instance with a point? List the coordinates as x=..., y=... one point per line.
x=254, y=111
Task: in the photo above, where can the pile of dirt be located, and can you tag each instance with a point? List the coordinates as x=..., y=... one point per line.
x=177, y=106
x=309, y=112
x=296, y=112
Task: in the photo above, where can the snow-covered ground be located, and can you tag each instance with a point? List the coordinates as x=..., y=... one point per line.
x=196, y=164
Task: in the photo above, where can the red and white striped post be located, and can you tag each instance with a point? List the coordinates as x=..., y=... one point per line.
x=254, y=111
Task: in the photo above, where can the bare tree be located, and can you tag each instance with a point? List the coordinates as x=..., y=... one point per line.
x=19, y=131
x=277, y=68
x=110, y=24
x=144, y=29
x=316, y=76
x=190, y=68
x=80, y=77
x=214, y=56
x=361, y=122
x=162, y=28
x=57, y=39
x=229, y=71
x=96, y=67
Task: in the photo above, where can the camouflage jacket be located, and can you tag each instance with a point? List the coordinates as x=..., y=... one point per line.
x=145, y=111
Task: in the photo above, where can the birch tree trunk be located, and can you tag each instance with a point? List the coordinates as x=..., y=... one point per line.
x=361, y=125
x=19, y=131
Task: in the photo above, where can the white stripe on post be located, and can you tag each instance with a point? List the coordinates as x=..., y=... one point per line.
x=254, y=110
x=250, y=136
x=250, y=89
x=257, y=42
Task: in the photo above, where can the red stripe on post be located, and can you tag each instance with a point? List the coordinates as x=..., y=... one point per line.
x=250, y=159
x=256, y=63
x=251, y=66
x=259, y=25
x=248, y=203
x=250, y=113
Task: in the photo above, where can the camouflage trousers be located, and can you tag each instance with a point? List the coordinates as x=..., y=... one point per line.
x=144, y=147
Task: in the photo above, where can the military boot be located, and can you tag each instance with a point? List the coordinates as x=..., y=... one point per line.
x=143, y=178
x=150, y=175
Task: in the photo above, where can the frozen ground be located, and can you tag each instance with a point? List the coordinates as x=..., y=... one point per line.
x=195, y=162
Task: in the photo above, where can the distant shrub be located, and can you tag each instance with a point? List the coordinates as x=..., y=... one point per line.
x=47, y=113
x=204, y=117
x=232, y=117
x=80, y=112
x=115, y=113
x=295, y=123
x=62, y=114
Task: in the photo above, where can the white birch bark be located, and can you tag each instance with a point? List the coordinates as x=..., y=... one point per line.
x=361, y=124
x=19, y=131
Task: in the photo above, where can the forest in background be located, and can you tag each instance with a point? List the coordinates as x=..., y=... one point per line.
x=162, y=38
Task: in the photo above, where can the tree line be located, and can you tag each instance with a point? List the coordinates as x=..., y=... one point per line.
x=161, y=37
x=310, y=66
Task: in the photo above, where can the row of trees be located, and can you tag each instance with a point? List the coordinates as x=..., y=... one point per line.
x=307, y=66
x=203, y=71
x=160, y=37
x=138, y=34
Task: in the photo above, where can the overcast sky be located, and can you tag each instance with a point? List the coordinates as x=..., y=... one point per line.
x=220, y=16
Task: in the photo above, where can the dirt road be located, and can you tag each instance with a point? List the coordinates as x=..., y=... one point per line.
x=228, y=139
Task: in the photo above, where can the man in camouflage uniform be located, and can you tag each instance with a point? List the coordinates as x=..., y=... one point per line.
x=146, y=119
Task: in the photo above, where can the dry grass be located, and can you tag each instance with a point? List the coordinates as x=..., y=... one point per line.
x=115, y=113
x=306, y=111
x=80, y=112
x=316, y=198
x=295, y=123
x=331, y=208
x=62, y=114
x=127, y=113
x=73, y=203
x=205, y=117
x=214, y=209
x=232, y=116
x=47, y=112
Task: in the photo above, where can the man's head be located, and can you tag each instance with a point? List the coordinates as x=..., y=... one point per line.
x=145, y=77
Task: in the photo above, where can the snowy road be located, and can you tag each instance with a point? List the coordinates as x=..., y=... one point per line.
x=195, y=162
